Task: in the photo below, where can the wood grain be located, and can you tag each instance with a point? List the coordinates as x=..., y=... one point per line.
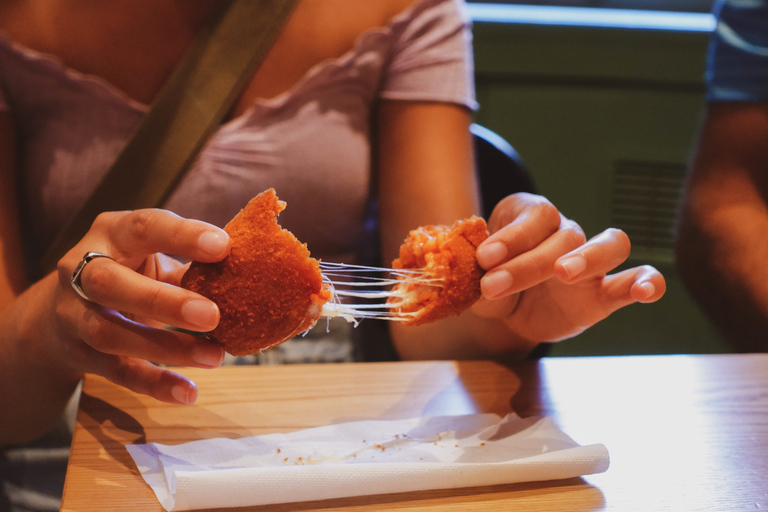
x=684, y=432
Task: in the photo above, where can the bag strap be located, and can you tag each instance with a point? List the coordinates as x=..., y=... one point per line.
x=188, y=109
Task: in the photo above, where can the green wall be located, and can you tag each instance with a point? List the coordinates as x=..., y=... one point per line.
x=605, y=120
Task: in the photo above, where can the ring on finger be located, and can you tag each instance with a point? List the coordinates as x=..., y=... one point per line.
x=75, y=280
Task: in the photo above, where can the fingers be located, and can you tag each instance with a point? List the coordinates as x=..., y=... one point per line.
x=518, y=224
x=534, y=261
x=531, y=249
x=161, y=267
x=102, y=341
x=648, y=284
x=149, y=231
x=598, y=256
x=512, y=207
x=145, y=378
x=134, y=240
x=116, y=287
x=639, y=284
x=108, y=332
x=168, y=270
x=97, y=335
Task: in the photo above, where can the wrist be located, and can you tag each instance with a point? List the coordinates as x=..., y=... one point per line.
x=35, y=334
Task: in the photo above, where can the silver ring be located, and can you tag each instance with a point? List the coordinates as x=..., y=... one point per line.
x=74, y=281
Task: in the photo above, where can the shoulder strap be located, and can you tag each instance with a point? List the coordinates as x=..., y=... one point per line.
x=189, y=108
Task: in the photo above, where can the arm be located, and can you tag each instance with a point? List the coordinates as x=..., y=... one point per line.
x=49, y=337
x=544, y=282
x=32, y=397
x=722, y=244
x=12, y=280
x=427, y=177
x=16, y=361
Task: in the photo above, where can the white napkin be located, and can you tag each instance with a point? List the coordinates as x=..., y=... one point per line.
x=363, y=458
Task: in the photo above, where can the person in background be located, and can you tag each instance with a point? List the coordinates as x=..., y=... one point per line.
x=348, y=86
x=722, y=236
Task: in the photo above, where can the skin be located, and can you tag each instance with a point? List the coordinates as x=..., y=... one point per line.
x=49, y=337
x=721, y=246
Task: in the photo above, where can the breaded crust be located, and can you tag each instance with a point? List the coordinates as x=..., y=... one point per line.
x=447, y=253
x=268, y=289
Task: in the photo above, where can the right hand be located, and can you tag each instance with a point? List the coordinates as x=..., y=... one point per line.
x=119, y=334
x=545, y=281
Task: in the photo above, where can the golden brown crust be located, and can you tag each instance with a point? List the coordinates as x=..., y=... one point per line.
x=447, y=253
x=268, y=289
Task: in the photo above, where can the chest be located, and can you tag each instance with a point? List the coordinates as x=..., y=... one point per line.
x=135, y=44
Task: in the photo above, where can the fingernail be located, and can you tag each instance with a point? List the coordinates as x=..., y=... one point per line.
x=574, y=265
x=184, y=394
x=649, y=289
x=492, y=254
x=213, y=243
x=200, y=312
x=496, y=283
x=210, y=356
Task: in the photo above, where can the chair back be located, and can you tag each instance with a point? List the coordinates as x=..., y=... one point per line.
x=501, y=170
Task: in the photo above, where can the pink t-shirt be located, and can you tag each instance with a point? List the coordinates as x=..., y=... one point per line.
x=311, y=143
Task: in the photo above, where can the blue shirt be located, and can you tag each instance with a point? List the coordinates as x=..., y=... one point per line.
x=737, y=68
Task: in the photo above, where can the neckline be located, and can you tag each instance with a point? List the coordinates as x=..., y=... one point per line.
x=56, y=64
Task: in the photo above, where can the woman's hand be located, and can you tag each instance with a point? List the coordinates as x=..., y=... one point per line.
x=119, y=333
x=546, y=281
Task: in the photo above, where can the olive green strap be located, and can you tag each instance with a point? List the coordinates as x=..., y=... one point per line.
x=188, y=109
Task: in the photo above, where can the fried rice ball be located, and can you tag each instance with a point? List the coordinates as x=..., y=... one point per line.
x=447, y=254
x=268, y=289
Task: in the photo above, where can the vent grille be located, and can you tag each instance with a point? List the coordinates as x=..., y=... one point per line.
x=645, y=200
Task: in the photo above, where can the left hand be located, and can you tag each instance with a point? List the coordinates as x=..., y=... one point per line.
x=118, y=333
x=546, y=281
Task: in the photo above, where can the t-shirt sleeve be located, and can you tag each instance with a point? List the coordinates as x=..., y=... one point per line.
x=737, y=67
x=432, y=57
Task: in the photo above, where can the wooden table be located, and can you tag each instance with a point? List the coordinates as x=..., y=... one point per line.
x=684, y=432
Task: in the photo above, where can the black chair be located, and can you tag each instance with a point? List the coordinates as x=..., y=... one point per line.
x=501, y=170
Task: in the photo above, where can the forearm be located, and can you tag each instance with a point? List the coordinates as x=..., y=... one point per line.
x=36, y=386
x=721, y=247
x=466, y=336
x=722, y=261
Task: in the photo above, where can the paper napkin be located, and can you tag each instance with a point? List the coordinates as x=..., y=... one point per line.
x=363, y=458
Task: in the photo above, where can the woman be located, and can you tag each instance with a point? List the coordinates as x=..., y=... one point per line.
x=347, y=86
